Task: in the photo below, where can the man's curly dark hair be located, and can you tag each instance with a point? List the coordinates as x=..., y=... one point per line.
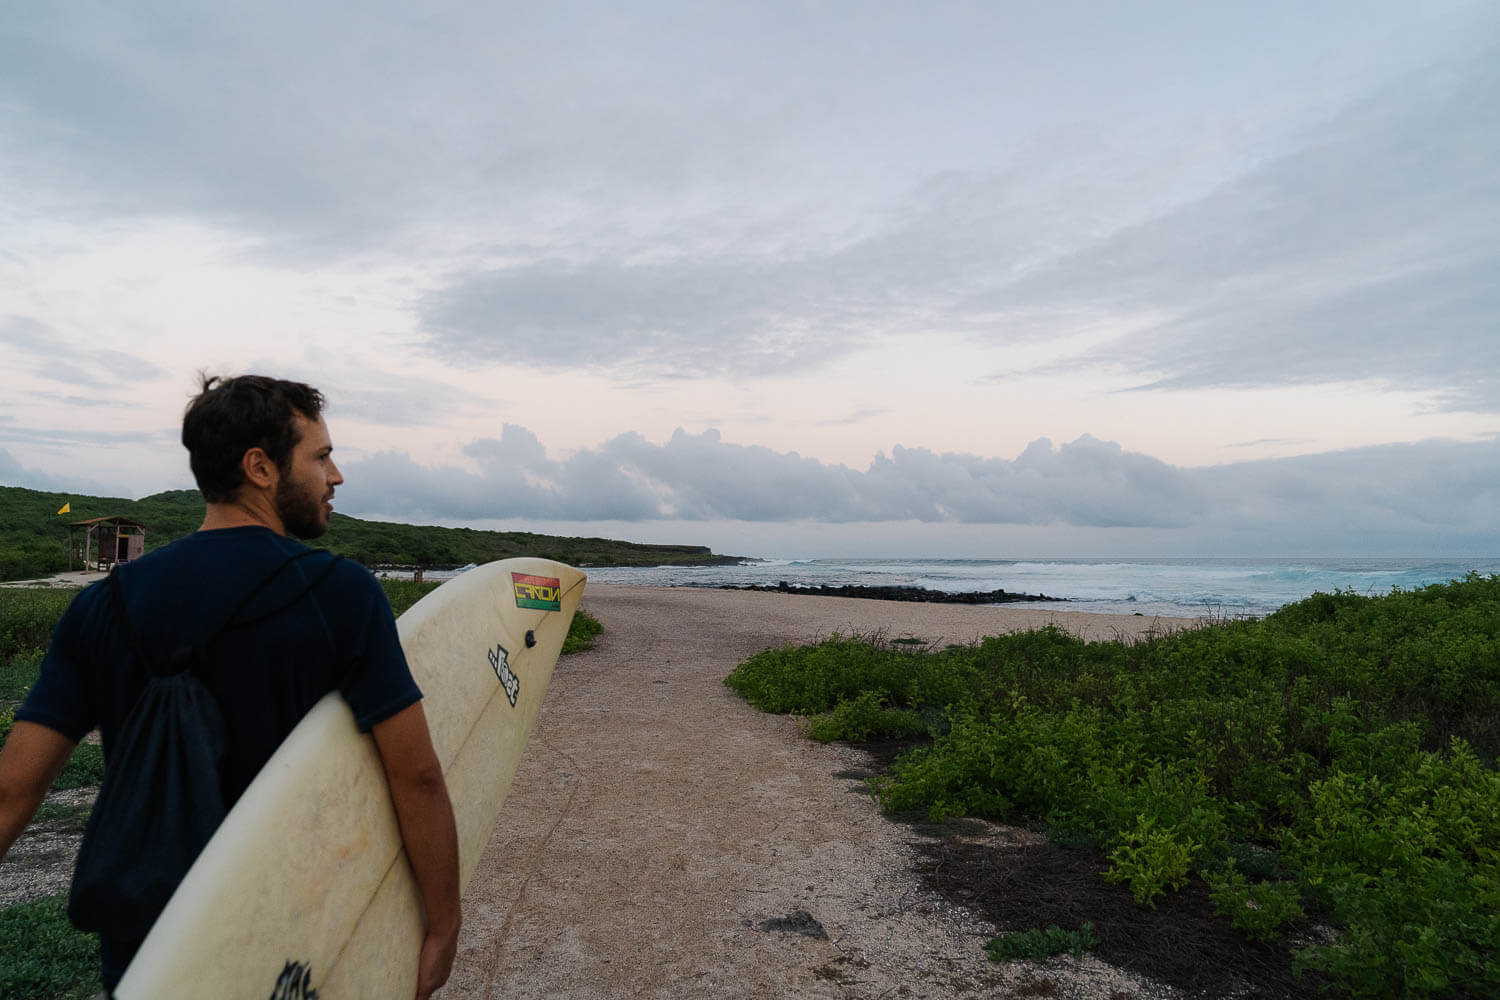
x=229, y=416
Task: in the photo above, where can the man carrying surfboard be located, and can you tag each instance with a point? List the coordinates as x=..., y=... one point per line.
x=281, y=626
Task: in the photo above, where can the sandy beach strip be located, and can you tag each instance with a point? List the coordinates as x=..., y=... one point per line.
x=659, y=827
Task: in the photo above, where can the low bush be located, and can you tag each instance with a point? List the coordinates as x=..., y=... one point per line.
x=866, y=718
x=402, y=594
x=1042, y=943
x=27, y=618
x=1339, y=755
x=42, y=957
x=582, y=632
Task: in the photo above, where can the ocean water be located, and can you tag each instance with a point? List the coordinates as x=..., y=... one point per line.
x=1192, y=588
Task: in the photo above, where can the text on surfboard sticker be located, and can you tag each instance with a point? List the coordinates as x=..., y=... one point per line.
x=500, y=660
x=541, y=592
x=294, y=983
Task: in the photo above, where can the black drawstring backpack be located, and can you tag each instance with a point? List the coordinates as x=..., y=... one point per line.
x=161, y=798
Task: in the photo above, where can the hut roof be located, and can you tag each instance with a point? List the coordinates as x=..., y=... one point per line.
x=106, y=520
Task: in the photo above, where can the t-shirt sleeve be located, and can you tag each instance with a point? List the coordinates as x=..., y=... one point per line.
x=60, y=699
x=379, y=682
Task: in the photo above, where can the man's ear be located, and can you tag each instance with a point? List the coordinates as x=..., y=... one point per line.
x=259, y=470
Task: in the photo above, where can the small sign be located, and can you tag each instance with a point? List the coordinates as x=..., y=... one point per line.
x=540, y=592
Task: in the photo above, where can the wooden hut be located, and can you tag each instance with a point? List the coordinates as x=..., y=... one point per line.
x=106, y=541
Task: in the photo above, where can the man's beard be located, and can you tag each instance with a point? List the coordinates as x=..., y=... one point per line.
x=300, y=511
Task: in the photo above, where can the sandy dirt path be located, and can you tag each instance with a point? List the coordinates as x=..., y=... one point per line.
x=659, y=826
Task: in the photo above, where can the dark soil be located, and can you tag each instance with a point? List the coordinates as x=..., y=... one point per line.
x=1180, y=942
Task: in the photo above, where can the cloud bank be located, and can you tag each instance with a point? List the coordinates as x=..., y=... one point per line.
x=1433, y=493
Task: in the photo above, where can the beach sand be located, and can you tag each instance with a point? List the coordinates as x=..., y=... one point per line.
x=665, y=839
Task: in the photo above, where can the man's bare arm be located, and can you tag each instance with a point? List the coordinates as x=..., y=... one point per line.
x=31, y=760
x=425, y=814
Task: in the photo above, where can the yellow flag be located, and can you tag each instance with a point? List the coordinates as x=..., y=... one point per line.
x=67, y=508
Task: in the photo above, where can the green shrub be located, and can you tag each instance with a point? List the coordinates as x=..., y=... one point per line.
x=1260, y=909
x=582, y=632
x=865, y=718
x=73, y=817
x=1408, y=866
x=17, y=675
x=1151, y=858
x=42, y=957
x=1039, y=943
x=402, y=594
x=84, y=769
x=1339, y=753
x=27, y=617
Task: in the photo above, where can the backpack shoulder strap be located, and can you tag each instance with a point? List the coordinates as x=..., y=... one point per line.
x=232, y=623
x=190, y=658
x=117, y=607
x=228, y=620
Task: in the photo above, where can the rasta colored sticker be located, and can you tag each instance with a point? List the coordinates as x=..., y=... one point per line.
x=541, y=592
x=500, y=660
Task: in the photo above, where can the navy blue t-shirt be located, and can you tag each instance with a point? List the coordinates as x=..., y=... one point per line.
x=341, y=637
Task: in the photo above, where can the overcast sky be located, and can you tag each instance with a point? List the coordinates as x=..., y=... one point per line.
x=987, y=279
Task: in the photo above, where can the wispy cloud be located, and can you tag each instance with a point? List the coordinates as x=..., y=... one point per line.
x=13, y=473
x=1369, y=253
x=39, y=349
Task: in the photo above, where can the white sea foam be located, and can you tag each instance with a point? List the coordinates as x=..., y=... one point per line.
x=1175, y=587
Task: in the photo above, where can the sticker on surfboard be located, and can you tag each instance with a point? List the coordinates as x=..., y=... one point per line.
x=544, y=593
x=500, y=660
x=295, y=983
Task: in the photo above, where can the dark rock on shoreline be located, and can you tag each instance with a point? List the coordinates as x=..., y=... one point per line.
x=903, y=594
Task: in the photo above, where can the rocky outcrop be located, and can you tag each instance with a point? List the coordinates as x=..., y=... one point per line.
x=903, y=594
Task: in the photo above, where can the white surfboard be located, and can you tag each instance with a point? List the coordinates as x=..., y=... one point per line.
x=305, y=890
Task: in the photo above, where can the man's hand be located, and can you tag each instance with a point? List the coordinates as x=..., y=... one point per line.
x=31, y=760
x=425, y=815
x=438, y=950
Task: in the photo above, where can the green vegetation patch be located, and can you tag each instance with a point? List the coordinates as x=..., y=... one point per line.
x=84, y=769
x=582, y=632
x=27, y=617
x=60, y=814
x=1337, y=758
x=864, y=718
x=404, y=593
x=1040, y=943
x=16, y=677
x=42, y=957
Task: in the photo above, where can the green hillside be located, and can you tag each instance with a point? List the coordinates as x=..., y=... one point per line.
x=33, y=536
